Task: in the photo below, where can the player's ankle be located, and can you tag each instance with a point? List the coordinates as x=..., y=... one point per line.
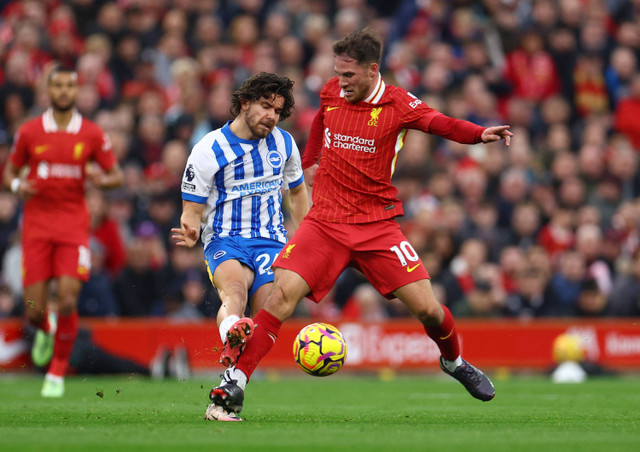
x=240, y=376
x=452, y=365
x=55, y=378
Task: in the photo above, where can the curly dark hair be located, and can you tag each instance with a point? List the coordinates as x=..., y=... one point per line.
x=264, y=85
x=363, y=46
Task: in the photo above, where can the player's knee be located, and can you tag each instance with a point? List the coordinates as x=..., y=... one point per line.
x=430, y=315
x=237, y=289
x=34, y=316
x=67, y=303
x=279, y=303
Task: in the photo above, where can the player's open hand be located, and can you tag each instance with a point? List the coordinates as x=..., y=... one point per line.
x=497, y=133
x=186, y=235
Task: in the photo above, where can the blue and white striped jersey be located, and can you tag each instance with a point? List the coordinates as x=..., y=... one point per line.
x=240, y=182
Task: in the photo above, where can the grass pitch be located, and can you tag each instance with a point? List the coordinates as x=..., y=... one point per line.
x=342, y=412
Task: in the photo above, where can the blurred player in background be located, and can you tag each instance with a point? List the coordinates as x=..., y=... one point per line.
x=52, y=157
x=359, y=130
x=231, y=189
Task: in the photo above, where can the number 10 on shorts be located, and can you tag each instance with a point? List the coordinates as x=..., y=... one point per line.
x=405, y=252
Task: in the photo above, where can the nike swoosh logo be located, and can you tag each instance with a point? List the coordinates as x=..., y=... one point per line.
x=42, y=148
x=410, y=269
x=447, y=336
x=332, y=108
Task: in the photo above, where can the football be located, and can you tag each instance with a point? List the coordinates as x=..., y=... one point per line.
x=568, y=347
x=319, y=349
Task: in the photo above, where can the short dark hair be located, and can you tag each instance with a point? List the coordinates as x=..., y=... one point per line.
x=264, y=85
x=363, y=46
x=60, y=69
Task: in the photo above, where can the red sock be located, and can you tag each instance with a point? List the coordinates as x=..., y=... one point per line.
x=264, y=336
x=445, y=336
x=65, y=337
x=43, y=324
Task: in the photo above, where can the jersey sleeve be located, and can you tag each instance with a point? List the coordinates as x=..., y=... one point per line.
x=198, y=177
x=456, y=129
x=293, y=175
x=413, y=113
x=19, y=151
x=103, y=154
x=315, y=142
x=416, y=114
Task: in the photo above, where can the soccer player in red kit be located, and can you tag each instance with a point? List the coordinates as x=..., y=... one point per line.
x=51, y=158
x=357, y=133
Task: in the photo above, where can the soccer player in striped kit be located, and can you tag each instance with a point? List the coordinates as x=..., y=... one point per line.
x=231, y=189
x=358, y=132
x=61, y=150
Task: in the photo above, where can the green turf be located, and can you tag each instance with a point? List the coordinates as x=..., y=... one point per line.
x=342, y=412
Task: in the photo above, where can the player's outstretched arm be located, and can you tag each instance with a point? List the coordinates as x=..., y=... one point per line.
x=497, y=133
x=189, y=231
x=298, y=203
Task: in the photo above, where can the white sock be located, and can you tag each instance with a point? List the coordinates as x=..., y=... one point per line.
x=452, y=365
x=225, y=325
x=53, y=323
x=55, y=378
x=236, y=374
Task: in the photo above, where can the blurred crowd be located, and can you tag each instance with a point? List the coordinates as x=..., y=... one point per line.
x=547, y=227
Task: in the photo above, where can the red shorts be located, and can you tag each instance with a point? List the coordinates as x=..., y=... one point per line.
x=46, y=259
x=320, y=251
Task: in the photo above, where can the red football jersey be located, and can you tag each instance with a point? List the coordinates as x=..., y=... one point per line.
x=57, y=162
x=359, y=144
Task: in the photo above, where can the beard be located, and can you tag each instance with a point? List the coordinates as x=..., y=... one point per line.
x=62, y=107
x=258, y=131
